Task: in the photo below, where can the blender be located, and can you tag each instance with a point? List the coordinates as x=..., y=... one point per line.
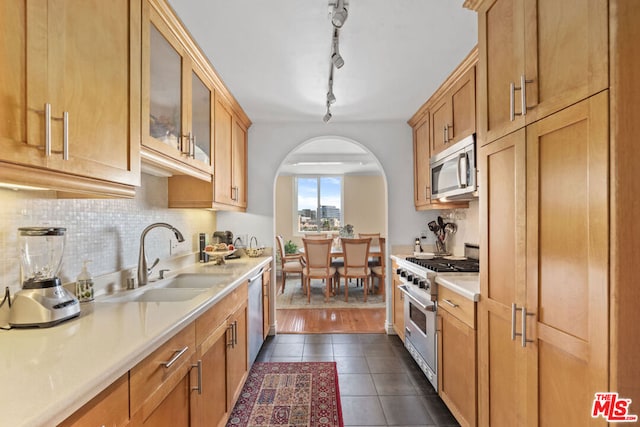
x=42, y=302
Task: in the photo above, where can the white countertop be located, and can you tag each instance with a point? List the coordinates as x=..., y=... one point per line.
x=47, y=374
x=466, y=284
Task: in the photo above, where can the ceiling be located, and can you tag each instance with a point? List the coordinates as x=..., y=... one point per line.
x=274, y=56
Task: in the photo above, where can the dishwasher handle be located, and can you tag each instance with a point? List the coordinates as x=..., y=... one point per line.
x=257, y=276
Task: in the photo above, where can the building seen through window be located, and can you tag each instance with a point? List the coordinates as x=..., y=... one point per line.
x=319, y=203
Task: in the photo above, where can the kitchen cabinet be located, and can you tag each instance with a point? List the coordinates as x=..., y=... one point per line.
x=538, y=57
x=178, y=97
x=266, y=297
x=451, y=107
x=230, y=157
x=70, y=96
x=109, y=408
x=160, y=384
x=398, y=303
x=543, y=341
x=220, y=337
x=453, y=115
x=457, y=362
x=228, y=191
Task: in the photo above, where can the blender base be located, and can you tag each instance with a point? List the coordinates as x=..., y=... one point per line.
x=43, y=307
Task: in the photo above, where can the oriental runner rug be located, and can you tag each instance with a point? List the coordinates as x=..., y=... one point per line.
x=289, y=394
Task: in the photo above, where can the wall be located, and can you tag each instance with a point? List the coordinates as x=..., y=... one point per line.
x=106, y=231
x=364, y=205
x=269, y=144
x=390, y=142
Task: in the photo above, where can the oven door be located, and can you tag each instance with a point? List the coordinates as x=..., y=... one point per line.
x=453, y=172
x=420, y=334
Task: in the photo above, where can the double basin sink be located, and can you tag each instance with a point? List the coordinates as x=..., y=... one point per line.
x=182, y=287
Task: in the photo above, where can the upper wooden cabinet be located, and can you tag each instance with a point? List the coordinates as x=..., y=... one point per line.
x=453, y=114
x=70, y=95
x=537, y=57
x=177, y=108
x=447, y=117
x=230, y=157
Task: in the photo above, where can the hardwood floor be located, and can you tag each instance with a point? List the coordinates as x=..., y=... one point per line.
x=330, y=320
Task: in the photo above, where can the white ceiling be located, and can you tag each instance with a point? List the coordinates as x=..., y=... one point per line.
x=274, y=58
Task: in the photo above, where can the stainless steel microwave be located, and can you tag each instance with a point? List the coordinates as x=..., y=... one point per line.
x=453, y=172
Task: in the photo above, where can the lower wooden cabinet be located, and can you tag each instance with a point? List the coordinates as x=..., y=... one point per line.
x=159, y=385
x=237, y=355
x=457, y=349
x=109, y=408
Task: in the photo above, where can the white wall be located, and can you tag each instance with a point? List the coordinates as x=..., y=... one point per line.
x=269, y=144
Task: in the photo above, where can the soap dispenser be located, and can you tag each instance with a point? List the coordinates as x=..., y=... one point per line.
x=84, y=284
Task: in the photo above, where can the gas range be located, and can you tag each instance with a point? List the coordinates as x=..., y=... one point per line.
x=418, y=272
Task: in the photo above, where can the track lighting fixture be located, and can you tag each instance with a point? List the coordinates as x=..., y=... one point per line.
x=336, y=58
x=339, y=14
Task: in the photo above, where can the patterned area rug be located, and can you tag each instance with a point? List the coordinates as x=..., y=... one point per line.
x=289, y=394
x=294, y=296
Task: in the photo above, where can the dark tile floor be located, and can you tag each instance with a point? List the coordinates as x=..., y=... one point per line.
x=380, y=384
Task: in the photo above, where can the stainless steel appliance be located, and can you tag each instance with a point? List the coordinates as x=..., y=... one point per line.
x=418, y=275
x=254, y=308
x=453, y=171
x=42, y=302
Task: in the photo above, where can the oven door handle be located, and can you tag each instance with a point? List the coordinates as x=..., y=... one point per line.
x=405, y=291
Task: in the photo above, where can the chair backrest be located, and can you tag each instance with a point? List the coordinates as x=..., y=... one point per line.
x=317, y=253
x=375, y=238
x=315, y=236
x=356, y=253
x=280, y=242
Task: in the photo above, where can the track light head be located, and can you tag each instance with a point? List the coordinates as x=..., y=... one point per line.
x=337, y=60
x=339, y=15
x=327, y=117
x=331, y=98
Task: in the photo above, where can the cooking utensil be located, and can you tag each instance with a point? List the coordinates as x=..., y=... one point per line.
x=440, y=222
x=450, y=228
x=433, y=226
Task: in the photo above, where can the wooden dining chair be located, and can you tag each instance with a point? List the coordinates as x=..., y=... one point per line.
x=317, y=257
x=356, y=264
x=379, y=271
x=290, y=263
x=375, y=241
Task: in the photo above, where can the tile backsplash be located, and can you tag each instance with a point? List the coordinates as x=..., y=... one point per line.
x=105, y=231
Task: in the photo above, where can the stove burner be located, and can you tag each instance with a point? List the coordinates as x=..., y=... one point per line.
x=440, y=265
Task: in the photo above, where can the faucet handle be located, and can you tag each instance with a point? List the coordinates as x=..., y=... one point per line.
x=162, y=271
x=157, y=260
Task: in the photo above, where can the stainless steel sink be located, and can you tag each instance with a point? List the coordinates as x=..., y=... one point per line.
x=156, y=295
x=196, y=281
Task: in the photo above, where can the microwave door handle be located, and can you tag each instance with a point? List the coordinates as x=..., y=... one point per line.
x=462, y=171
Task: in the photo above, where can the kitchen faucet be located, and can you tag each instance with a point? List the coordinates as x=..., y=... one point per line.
x=143, y=271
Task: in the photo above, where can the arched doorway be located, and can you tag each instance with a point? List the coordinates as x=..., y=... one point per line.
x=363, y=203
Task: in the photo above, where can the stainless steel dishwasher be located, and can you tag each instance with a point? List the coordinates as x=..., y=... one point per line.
x=255, y=325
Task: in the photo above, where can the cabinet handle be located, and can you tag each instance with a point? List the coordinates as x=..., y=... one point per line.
x=407, y=331
x=524, y=327
x=199, y=387
x=523, y=94
x=193, y=146
x=512, y=102
x=47, y=129
x=235, y=333
x=175, y=357
x=514, y=334
x=449, y=302
x=230, y=328
x=65, y=135
x=444, y=134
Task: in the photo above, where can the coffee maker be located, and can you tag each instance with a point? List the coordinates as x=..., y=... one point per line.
x=42, y=302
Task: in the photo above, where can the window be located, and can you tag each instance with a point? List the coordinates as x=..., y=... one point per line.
x=318, y=204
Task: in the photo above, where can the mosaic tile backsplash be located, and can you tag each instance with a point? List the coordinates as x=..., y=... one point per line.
x=105, y=231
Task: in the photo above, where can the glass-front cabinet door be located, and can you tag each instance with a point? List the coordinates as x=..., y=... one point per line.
x=176, y=102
